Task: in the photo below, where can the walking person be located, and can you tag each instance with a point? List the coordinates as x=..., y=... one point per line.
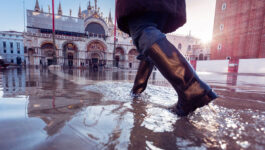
x=147, y=22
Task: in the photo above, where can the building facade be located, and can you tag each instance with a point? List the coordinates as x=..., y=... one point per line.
x=12, y=47
x=81, y=41
x=87, y=40
x=239, y=29
x=191, y=48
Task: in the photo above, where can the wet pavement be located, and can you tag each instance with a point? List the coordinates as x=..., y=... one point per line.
x=76, y=109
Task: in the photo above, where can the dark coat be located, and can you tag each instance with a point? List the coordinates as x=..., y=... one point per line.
x=175, y=10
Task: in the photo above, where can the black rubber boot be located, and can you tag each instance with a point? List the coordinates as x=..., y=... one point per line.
x=143, y=73
x=192, y=92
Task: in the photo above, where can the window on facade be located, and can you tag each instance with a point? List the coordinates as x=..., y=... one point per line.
x=25, y=50
x=189, y=47
x=18, y=51
x=219, y=47
x=223, y=6
x=4, y=44
x=18, y=46
x=221, y=27
x=12, y=61
x=179, y=46
x=11, y=45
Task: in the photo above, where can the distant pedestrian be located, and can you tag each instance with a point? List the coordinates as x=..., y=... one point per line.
x=147, y=21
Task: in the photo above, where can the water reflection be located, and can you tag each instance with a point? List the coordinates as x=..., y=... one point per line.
x=80, y=109
x=13, y=82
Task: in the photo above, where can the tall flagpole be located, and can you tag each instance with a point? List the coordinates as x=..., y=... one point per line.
x=114, y=50
x=24, y=11
x=53, y=35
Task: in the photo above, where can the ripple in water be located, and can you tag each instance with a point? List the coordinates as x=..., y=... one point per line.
x=223, y=128
x=230, y=127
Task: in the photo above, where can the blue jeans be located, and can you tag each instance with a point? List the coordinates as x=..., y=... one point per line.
x=145, y=31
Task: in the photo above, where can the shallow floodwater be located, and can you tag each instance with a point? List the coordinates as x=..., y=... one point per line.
x=77, y=109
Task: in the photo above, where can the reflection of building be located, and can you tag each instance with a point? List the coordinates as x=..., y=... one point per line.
x=13, y=82
x=80, y=41
x=12, y=47
x=190, y=47
x=54, y=100
x=239, y=29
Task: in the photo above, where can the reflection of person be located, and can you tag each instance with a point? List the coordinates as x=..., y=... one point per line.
x=147, y=22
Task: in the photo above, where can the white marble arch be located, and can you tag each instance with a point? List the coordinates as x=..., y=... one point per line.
x=121, y=56
x=99, y=53
x=104, y=44
x=97, y=20
x=122, y=47
x=102, y=54
x=42, y=42
x=70, y=41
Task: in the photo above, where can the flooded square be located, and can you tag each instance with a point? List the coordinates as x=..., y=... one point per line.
x=82, y=109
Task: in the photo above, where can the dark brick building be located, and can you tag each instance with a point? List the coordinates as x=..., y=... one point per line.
x=239, y=29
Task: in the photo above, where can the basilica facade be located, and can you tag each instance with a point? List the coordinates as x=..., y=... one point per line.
x=81, y=41
x=88, y=40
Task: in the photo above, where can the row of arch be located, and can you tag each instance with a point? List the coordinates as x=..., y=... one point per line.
x=95, y=45
x=96, y=54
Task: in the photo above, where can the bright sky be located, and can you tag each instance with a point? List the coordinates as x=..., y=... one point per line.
x=200, y=14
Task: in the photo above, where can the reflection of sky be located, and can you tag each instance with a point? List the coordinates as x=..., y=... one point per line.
x=1, y=92
x=200, y=14
x=13, y=108
x=16, y=127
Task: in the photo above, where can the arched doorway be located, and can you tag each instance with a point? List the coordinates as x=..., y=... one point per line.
x=95, y=58
x=96, y=53
x=48, y=54
x=70, y=55
x=133, y=62
x=119, y=57
x=201, y=57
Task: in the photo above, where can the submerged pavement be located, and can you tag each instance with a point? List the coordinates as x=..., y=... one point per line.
x=77, y=109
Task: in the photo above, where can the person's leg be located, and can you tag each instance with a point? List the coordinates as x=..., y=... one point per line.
x=144, y=71
x=192, y=92
x=146, y=66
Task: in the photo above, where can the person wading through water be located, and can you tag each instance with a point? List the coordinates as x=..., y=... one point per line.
x=147, y=22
